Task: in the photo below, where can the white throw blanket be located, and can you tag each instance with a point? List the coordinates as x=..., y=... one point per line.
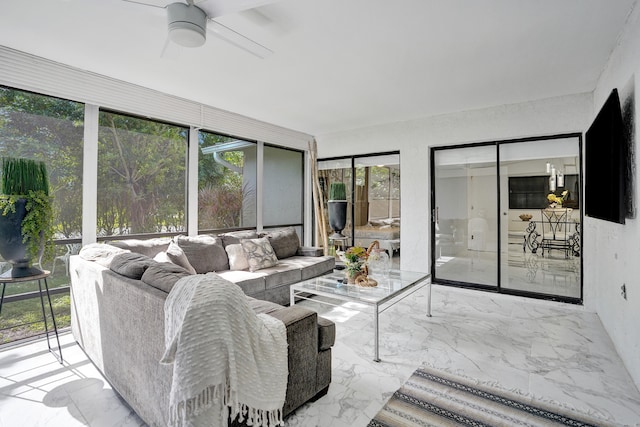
x=227, y=360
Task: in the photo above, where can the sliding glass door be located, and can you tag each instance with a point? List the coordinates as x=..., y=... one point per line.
x=507, y=216
x=464, y=221
x=542, y=220
x=373, y=200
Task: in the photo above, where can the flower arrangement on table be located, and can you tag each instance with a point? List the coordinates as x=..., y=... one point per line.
x=556, y=201
x=355, y=261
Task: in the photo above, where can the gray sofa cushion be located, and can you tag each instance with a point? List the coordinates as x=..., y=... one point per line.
x=148, y=247
x=251, y=283
x=309, y=266
x=205, y=253
x=310, y=251
x=285, y=242
x=234, y=237
x=163, y=275
x=281, y=274
x=131, y=264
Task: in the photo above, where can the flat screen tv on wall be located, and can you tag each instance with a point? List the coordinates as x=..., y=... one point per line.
x=605, y=157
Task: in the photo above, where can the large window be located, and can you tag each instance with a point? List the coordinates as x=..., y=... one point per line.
x=530, y=192
x=142, y=176
x=51, y=130
x=283, y=188
x=227, y=182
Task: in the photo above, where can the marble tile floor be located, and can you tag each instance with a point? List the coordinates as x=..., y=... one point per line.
x=551, y=274
x=551, y=350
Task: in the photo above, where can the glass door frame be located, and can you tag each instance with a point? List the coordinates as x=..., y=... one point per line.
x=433, y=215
x=352, y=194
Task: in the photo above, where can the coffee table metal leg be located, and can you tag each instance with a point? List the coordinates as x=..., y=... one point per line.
x=375, y=333
x=292, y=297
x=429, y=301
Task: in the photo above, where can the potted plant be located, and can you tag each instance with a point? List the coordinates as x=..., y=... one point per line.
x=26, y=216
x=337, y=205
x=355, y=260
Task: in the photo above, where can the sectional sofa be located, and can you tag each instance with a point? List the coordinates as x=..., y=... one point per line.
x=117, y=308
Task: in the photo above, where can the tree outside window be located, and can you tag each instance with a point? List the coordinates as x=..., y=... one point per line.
x=48, y=129
x=141, y=175
x=51, y=130
x=226, y=182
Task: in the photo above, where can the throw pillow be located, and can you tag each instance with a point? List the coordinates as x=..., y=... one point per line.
x=285, y=242
x=176, y=255
x=131, y=264
x=233, y=237
x=162, y=257
x=205, y=253
x=237, y=258
x=259, y=253
x=163, y=276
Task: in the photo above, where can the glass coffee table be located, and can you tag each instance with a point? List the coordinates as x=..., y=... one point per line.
x=389, y=291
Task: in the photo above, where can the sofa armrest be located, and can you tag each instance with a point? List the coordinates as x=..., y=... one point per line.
x=310, y=251
x=302, y=340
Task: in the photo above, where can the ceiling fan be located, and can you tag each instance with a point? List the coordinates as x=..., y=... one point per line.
x=188, y=23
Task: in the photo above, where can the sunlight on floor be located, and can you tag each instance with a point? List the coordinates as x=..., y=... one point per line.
x=555, y=351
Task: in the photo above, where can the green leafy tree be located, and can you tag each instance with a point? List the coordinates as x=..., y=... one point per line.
x=221, y=192
x=141, y=175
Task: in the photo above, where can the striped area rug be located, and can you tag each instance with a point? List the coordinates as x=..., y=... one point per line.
x=435, y=398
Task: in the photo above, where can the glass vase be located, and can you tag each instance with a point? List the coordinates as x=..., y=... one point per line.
x=379, y=263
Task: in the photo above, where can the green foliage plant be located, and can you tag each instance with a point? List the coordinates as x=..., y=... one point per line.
x=355, y=258
x=27, y=179
x=338, y=191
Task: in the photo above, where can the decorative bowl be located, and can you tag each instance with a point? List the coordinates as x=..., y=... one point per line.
x=526, y=217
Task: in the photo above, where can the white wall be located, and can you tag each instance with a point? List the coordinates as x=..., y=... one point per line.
x=612, y=250
x=413, y=139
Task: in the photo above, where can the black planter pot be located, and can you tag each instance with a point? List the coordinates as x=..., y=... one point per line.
x=337, y=217
x=12, y=249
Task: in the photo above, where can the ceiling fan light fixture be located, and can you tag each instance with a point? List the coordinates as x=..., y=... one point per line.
x=187, y=24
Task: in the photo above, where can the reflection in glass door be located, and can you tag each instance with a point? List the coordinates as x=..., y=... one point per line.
x=377, y=203
x=337, y=171
x=373, y=195
x=542, y=251
x=464, y=220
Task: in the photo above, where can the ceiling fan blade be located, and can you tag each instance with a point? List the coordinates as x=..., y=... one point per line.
x=141, y=3
x=164, y=48
x=227, y=34
x=218, y=8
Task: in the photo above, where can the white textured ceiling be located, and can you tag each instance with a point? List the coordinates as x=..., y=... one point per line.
x=337, y=64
